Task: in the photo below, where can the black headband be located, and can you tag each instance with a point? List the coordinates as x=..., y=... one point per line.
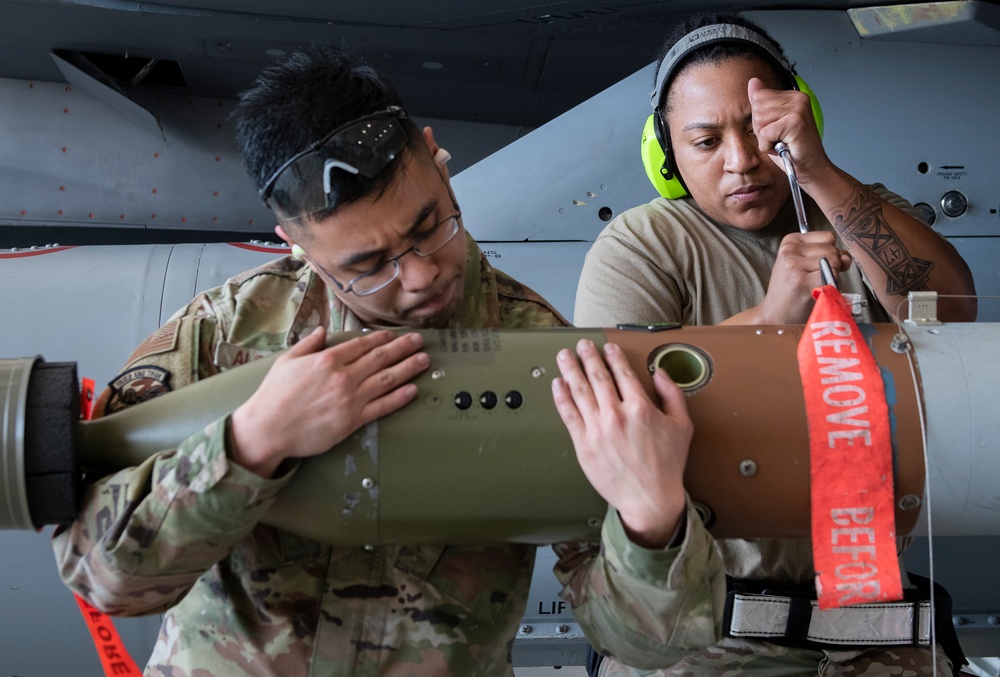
x=706, y=36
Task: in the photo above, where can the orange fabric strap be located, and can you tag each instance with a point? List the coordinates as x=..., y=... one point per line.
x=853, y=514
x=86, y=398
x=110, y=648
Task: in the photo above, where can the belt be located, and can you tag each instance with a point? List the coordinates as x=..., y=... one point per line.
x=797, y=619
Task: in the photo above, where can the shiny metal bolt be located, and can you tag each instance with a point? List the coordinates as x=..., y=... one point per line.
x=748, y=467
x=526, y=629
x=959, y=620
x=993, y=619
x=900, y=343
x=562, y=629
x=538, y=372
x=368, y=483
x=437, y=373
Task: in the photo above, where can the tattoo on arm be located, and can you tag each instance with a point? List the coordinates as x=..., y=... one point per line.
x=864, y=224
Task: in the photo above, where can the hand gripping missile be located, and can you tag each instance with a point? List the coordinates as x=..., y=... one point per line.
x=482, y=456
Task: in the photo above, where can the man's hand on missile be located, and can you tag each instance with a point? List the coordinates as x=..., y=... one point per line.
x=313, y=397
x=632, y=451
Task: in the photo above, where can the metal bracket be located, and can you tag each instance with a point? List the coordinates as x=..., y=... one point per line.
x=923, y=308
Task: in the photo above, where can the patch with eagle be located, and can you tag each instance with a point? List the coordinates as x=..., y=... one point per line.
x=137, y=385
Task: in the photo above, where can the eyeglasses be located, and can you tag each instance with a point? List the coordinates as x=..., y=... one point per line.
x=363, y=146
x=382, y=275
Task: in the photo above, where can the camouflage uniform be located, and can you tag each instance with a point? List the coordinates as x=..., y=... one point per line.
x=179, y=534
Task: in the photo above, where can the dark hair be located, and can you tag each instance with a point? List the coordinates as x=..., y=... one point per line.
x=720, y=51
x=296, y=102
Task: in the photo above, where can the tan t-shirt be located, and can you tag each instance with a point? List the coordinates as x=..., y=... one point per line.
x=668, y=261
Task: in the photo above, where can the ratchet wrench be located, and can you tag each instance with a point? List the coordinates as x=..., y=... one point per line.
x=800, y=210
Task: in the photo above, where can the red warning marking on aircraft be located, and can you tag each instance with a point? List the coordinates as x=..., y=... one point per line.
x=267, y=249
x=33, y=252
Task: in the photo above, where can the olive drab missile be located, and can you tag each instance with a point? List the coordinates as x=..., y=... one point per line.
x=481, y=455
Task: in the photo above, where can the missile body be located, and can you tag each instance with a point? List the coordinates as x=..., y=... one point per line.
x=482, y=456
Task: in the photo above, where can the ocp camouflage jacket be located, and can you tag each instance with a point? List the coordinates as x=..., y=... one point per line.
x=180, y=534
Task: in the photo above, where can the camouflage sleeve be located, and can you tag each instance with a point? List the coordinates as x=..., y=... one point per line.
x=147, y=533
x=646, y=608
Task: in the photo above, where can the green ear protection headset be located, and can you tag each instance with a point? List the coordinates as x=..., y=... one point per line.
x=657, y=156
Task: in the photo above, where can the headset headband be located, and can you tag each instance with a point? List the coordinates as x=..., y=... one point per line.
x=706, y=36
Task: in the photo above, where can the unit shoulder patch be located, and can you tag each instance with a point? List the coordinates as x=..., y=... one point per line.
x=137, y=385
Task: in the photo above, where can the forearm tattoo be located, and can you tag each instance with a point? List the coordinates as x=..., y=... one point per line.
x=864, y=224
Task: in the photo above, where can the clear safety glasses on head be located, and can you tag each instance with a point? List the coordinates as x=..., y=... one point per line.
x=382, y=275
x=302, y=186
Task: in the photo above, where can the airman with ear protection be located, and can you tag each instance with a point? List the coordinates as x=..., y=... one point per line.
x=721, y=245
x=658, y=161
x=657, y=156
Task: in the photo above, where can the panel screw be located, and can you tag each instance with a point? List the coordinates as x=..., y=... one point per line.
x=526, y=629
x=993, y=619
x=909, y=502
x=562, y=629
x=748, y=467
x=959, y=620
x=900, y=343
x=368, y=483
x=594, y=522
x=538, y=372
x=437, y=373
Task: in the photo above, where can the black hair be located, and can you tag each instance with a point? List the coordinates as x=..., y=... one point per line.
x=295, y=103
x=720, y=51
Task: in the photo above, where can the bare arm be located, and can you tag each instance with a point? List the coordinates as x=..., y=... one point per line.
x=896, y=252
